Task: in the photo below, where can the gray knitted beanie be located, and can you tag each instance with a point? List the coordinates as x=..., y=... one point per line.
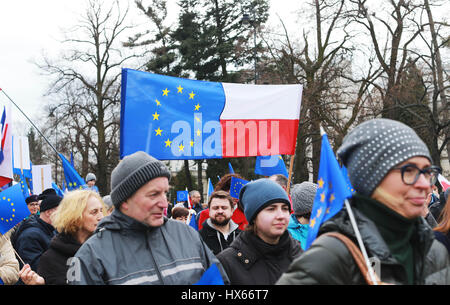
x=132, y=172
x=90, y=176
x=374, y=147
x=258, y=194
x=302, y=196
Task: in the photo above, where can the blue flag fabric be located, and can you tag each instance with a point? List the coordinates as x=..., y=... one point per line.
x=182, y=196
x=211, y=276
x=235, y=186
x=347, y=179
x=331, y=192
x=210, y=187
x=230, y=168
x=193, y=222
x=73, y=179
x=170, y=105
x=270, y=165
x=13, y=208
x=59, y=192
x=24, y=185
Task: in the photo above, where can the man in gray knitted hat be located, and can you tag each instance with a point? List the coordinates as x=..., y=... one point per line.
x=302, y=197
x=137, y=244
x=391, y=170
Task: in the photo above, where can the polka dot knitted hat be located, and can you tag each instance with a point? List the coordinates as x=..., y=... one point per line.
x=374, y=147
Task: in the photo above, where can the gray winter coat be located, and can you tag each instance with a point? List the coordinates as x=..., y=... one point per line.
x=125, y=251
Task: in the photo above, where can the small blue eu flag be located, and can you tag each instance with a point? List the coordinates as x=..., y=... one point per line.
x=73, y=179
x=270, y=165
x=235, y=186
x=13, y=208
x=332, y=190
x=182, y=196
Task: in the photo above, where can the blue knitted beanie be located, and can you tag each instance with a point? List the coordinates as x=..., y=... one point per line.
x=258, y=194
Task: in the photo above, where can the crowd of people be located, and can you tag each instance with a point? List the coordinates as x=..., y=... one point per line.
x=132, y=236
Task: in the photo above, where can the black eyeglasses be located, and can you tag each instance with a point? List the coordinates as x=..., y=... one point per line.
x=410, y=173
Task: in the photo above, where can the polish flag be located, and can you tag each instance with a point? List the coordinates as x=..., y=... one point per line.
x=260, y=120
x=444, y=182
x=6, y=167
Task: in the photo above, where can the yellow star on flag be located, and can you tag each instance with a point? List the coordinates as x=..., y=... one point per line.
x=180, y=89
x=319, y=211
x=191, y=95
x=192, y=143
x=168, y=143
x=198, y=132
x=321, y=182
x=332, y=197
x=155, y=116
x=198, y=119
x=158, y=131
x=158, y=103
x=312, y=223
x=181, y=147
x=197, y=107
x=322, y=197
x=166, y=92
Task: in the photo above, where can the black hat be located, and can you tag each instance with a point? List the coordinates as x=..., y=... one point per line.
x=50, y=202
x=32, y=198
x=46, y=192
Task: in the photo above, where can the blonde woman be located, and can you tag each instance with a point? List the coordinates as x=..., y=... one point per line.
x=75, y=220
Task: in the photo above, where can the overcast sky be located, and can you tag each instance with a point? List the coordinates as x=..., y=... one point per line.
x=29, y=28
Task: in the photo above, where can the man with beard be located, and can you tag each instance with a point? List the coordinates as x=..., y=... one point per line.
x=219, y=231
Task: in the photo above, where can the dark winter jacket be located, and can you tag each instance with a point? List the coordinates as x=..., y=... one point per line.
x=328, y=261
x=251, y=261
x=215, y=239
x=32, y=239
x=53, y=264
x=124, y=251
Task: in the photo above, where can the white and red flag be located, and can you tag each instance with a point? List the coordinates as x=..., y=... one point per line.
x=444, y=182
x=175, y=118
x=6, y=166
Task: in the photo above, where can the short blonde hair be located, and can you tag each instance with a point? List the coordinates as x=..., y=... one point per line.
x=68, y=217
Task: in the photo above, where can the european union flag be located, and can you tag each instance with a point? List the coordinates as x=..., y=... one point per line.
x=270, y=165
x=182, y=196
x=230, y=168
x=24, y=185
x=181, y=116
x=235, y=186
x=193, y=222
x=347, y=179
x=73, y=179
x=331, y=192
x=210, y=187
x=211, y=276
x=59, y=192
x=13, y=208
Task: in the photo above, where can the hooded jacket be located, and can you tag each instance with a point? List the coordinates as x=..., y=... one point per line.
x=328, y=260
x=251, y=261
x=53, y=263
x=215, y=239
x=123, y=250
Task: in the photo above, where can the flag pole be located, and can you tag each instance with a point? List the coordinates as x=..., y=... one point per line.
x=29, y=120
x=291, y=168
x=360, y=242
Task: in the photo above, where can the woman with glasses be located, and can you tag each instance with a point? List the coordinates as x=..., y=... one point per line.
x=391, y=170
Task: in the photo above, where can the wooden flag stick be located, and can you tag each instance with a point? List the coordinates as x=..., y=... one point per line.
x=291, y=166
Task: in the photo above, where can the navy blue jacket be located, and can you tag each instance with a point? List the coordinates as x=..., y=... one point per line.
x=33, y=238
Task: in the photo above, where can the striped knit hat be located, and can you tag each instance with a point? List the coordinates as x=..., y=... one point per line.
x=132, y=172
